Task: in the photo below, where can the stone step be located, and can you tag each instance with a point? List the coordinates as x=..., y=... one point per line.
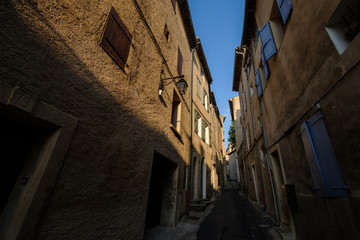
x=197, y=207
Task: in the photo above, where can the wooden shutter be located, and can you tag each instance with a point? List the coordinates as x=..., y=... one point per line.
x=267, y=40
x=204, y=94
x=258, y=83
x=180, y=60
x=324, y=167
x=196, y=127
x=265, y=65
x=285, y=8
x=116, y=39
x=203, y=129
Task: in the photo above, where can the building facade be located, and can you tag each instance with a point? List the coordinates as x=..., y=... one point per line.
x=95, y=123
x=296, y=73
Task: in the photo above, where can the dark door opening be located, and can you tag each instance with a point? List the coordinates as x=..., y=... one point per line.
x=16, y=141
x=162, y=192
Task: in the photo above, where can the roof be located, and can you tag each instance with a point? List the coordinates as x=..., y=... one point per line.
x=186, y=17
x=237, y=68
x=193, y=40
x=249, y=22
x=203, y=61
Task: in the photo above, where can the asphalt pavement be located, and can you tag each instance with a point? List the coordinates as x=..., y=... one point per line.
x=233, y=217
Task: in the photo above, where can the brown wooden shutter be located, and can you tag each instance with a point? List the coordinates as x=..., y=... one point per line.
x=116, y=39
x=180, y=60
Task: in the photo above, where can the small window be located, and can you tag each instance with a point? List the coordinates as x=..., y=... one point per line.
x=265, y=65
x=198, y=87
x=256, y=39
x=166, y=32
x=176, y=112
x=174, y=5
x=116, y=39
x=258, y=83
x=247, y=138
x=179, y=63
x=344, y=25
x=324, y=168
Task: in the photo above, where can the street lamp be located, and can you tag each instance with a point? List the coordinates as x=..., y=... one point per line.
x=181, y=84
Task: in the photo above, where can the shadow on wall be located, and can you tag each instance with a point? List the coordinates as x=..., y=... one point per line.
x=103, y=182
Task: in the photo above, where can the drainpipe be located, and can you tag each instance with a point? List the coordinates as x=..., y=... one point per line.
x=188, y=187
x=267, y=152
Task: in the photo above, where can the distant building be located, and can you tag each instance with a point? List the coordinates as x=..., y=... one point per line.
x=296, y=72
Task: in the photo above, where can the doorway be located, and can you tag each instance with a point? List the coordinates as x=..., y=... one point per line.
x=162, y=193
x=256, y=187
x=203, y=179
x=278, y=182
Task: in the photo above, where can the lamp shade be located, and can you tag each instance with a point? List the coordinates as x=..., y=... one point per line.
x=182, y=86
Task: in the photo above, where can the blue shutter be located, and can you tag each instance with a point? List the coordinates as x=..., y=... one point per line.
x=285, y=8
x=327, y=177
x=267, y=40
x=265, y=66
x=258, y=83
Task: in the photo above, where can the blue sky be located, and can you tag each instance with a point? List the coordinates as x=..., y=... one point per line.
x=219, y=25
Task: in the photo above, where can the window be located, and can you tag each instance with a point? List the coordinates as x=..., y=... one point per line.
x=247, y=138
x=179, y=63
x=243, y=100
x=166, y=32
x=174, y=5
x=203, y=125
x=198, y=87
x=207, y=134
x=196, y=122
x=264, y=65
x=285, y=8
x=116, y=39
x=256, y=39
x=176, y=112
x=325, y=171
x=258, y=83
x=344, y=25
x=267, y=41
x=202, y=74
x=205, y=100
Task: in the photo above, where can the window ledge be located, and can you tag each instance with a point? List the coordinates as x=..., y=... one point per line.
x=176, y=132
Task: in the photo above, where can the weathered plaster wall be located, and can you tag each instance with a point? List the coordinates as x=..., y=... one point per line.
x=54, y=55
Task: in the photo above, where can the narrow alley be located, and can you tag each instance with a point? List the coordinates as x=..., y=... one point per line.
x=233, y=217
x=180, y=120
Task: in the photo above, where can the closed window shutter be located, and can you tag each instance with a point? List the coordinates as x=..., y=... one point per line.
x=328, y=180
x=285, y=8
x=258, y=83
x=267, y=40
x=203, y=129
x=180, y=60
x=198, y=87
x=265, y=65
x=204, y=94
x=196, y=122
x=116, y=39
